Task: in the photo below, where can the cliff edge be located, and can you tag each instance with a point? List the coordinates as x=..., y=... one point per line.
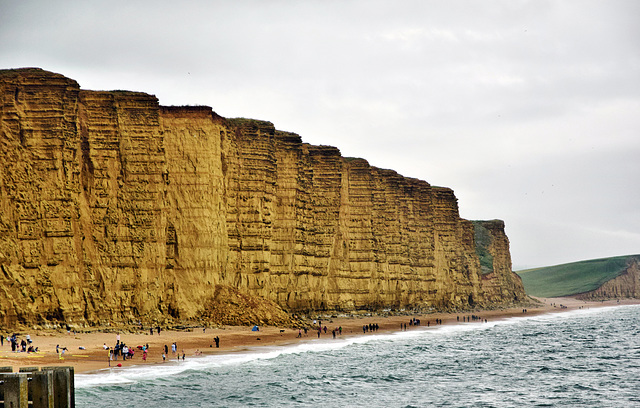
x=116, y=209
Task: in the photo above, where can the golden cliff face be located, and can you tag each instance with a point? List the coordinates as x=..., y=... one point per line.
x=114, y=208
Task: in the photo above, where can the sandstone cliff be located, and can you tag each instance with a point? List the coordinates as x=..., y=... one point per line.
x=114, y=208
x=626, y=285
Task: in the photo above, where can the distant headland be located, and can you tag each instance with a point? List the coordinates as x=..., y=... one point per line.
x=596, y=279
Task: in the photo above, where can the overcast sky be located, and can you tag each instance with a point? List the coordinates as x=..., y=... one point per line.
x=528, y=110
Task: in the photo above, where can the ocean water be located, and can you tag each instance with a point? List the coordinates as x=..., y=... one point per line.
x=583, y=358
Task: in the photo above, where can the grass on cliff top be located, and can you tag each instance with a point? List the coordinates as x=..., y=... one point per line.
x=483, y=241
x=572, y=278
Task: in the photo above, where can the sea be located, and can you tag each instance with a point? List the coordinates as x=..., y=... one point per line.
x=580, y=358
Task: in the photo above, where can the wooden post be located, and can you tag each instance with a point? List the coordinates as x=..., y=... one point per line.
x=29, y=370
x=15, y=390
x=63, y=386
x=41, y=389
x=5, y=369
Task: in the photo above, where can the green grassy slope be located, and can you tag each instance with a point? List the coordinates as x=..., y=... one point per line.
x=572, y=278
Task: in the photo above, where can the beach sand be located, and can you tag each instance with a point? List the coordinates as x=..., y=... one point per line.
x=235, y=338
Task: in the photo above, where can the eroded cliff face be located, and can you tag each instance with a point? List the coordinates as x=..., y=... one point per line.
x=626, y=285
x=114, y=208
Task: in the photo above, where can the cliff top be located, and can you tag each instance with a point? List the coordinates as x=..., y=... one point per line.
x=37, y=74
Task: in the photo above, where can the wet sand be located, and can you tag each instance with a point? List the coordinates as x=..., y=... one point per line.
x=235, y=338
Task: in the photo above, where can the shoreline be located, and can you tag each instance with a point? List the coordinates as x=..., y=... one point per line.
x=200, y=342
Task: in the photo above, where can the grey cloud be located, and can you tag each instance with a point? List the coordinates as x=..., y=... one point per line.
x=527, y=109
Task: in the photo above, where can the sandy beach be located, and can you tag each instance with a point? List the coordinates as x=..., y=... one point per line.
x=86, y=352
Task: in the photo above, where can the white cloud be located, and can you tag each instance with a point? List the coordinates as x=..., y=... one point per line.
x=527, y=109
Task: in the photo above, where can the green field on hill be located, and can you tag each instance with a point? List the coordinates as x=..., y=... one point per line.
x=572, y=278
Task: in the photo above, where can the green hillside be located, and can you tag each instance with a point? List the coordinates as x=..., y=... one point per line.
x=572, y=278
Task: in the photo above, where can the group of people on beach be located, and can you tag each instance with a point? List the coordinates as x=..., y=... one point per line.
x=24, y=346
x=121, y=349
x=474, y=318
x=371, y=327
x=412, y=322
x=317, y=324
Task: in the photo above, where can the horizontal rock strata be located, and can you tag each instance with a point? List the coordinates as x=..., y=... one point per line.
x=115, y=208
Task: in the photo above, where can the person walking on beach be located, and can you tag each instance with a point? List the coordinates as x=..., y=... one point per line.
x=217, y=340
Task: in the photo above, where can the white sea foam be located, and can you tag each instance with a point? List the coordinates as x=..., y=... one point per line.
x=136, y=373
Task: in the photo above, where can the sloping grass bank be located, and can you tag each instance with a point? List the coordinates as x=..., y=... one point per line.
x=572, y=278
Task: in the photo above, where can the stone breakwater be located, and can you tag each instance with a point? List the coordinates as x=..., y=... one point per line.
x=116, y=209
